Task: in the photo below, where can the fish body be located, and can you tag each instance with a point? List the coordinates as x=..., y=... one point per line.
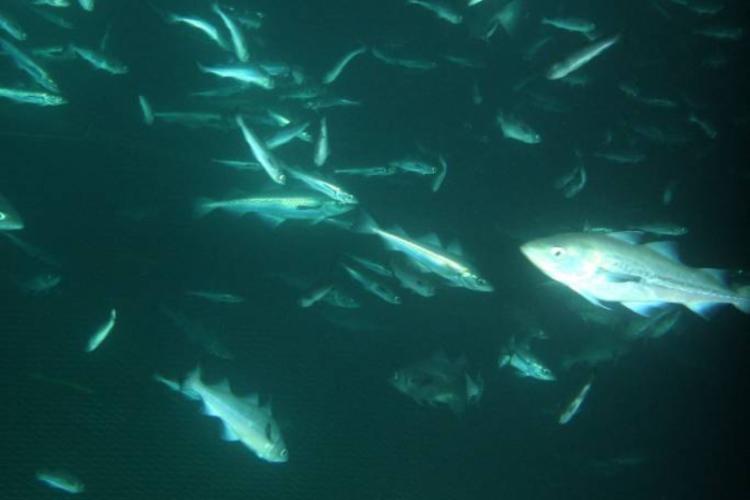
x=513, y=128
x=244, y=419
x=277, y=209
x=272, y=165
x=573, y=24
x=235, y=32
x=373, y=286
x=61, y=480
x=315, y=295
x=102, y=332
x=322, y=151
x=429, y=255
x=101, y=61
x=526, y=364
x=411, y=278
x=661, y=229
x=322, y=185
x=580, y=58
x=201, y=25
x=12, y=28
x=415, y=167
x=246, y=73
x=286, y=134
x=87, y=5
x=575, y=405
x=32, y=97
x=29, y=66
x=334, y=72
x=612, y=267
x=440, y=9
x=708, y=129
x=217, y=297
x=384, y=171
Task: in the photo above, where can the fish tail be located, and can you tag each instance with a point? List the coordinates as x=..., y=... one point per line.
x=203, y=207
x=743, y=303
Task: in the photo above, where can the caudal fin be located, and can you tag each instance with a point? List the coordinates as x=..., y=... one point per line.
x=364, y=224
x=743, y=304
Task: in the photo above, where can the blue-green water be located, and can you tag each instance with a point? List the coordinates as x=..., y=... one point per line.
x=110, y=200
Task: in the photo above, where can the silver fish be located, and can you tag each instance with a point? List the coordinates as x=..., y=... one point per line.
x=334, y=72
x=580, y=58
x=61, y=480
x=272, y=165
x=575, y=405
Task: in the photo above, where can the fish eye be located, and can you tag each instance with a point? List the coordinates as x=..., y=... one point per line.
x=558, y=251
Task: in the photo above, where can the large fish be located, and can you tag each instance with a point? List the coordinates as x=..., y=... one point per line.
x=613, y=267
x=244, y=419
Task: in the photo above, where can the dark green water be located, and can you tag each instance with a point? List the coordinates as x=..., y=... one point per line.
x=111, y=200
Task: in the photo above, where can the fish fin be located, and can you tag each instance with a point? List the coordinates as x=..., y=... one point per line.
x=202, y=207
x=743, y=304
x=399, y=231
x=455, y=248
x=223, y=386
x=592, y=299
x=365, y=224
x=666, y=249
x=705, y=309
x=719, y=275
x=630, y=237
x=271, y=221
x=227, y=434
x=644, y=308
x=431, y=239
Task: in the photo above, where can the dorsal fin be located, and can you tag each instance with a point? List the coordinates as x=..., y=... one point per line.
x=222, y=385
x=455, y=248
x=252, y=399
x=398, y=230
x=630, y=237
x=431, y=239
x=666, y=249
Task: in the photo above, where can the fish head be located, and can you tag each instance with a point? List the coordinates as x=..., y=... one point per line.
x=565, y=258
x=473, y=281
x=275, y=449
x=544, y=373
x=346, y=198
x=10, y=219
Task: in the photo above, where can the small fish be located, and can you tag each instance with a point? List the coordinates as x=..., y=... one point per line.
x=251, y=166
x=87, y=5
x=437, y=182
x=102, y=332
x=572, y=182
x=526, y=365
x=41, y=284
x=26, y=64
x=373, y=286
x=101, y=61
x=705, y=126
x=415, y=167
x=287, y=134
x=61, y=480
x=217, y=297
x=244, y=418
x=201, y=25
x=12, y=28
x=148, y=113
x=321, y=185
x=722, y=33
x=32, y=97
x=10, y=219
x=338, y=298
x=334, y=72
x=440, y=9
x=573, y=24
x=624, y=157
x=411, y=278
x=277, y=209
x=246, y=73
x=580, y=58
x=384, y=171
x=371, y=265
x=272, y=165
x=513, y=128
x=314, y=295
x=322, y=151
x=238, y=38
x=661, y=229
x=575, y=405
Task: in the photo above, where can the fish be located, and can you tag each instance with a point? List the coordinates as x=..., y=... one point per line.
x=575, y=404
x=442, y=10
x=439, y=381
x=322, y=152
x=10, y=219
x=526, y=364
x=573, y=24
x=217, y=297
x=87, y=5
x=41, y=284
x=32, y=97
x=238, y=38
x=334, y=72
x=371, y=265
x=429, y=255
x=321, y=185
x=286, y=134
x=244, y=419
x=415, y=167
x=707, y=128
x=314, y=295
x=572, y=182
x=148, y=113
x=625, y=157
x=246, y=73
x=613, y=267
x=513, y=128
x=201, y=25
x=384, y=171
x=411, y=63
x=661, y=229
x=722, y=33
x=12, y=28
x=276, y=209
x=338, y=298
x=580, y=58
x=100, y=60
x=61, y=480
x=102, y=332
x=26, y=64
x=442, y=171
x=250, y=166
x=373, y=286
x=272, y=165
x=411, y=278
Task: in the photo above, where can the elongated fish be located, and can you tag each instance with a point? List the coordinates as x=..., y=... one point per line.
x=526, y=364
x=28, y=65
x=32, y=97
x=244, y=419
x=277, y=209
x=12, y=27
x=322, y=185
x=373, y=286
x=61, y=480
x=580, y=58
x=322, y=151
x=575, y=405
x=513, y=128
x=102, y=332
x=613, y=267
x=429, y=255
x=441, y=9
x=238, y=37
x=334, y=72
x=246, y=73
x=100, y=60
x=199, y=24
x=272, y=165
